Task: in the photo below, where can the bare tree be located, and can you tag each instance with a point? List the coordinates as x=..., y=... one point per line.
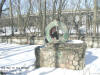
x=11, y=17
x=1, y=6
x=59, y=9
x=95, y=16
x=26, y=23
x=54, y=8
x=40, y=14
x=20, y=18
x=44, y=17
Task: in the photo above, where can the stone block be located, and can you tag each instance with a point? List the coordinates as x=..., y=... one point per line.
x=62, y=55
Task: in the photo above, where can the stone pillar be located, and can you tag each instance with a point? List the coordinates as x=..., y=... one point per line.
x=62, y=55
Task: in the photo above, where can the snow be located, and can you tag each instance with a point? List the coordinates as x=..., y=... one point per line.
x=82, y=29
x=75, y=41
x=9, y=32
x=19, y=60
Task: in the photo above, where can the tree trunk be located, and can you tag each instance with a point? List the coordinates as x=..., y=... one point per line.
x=44, y=17
x=60, y=10
x=20, y=19
x=1, y=6
x=40, y=15
x=54, y=9
x=26, y=23
x=11, y=18
x=95, y=16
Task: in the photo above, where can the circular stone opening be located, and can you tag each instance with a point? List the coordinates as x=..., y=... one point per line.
x=56, y=31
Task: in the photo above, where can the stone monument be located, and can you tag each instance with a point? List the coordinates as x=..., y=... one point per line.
x=58, y=51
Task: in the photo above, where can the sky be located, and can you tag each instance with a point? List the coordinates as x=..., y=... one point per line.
x=25, y=4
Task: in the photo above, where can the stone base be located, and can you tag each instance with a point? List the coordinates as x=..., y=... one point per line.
x=61, y=55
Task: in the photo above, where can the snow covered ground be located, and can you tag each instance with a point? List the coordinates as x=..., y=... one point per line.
x=8, y=31
x=19, y=60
